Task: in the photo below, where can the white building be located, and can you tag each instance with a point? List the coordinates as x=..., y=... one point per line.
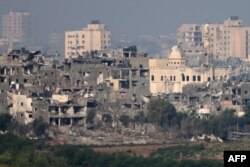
x=170, y=75
x=95, y=37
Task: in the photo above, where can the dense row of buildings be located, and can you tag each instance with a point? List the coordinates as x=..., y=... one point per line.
x=206, y=73
x=120, y=82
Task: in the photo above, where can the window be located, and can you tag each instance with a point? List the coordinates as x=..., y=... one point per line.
x=21, y=103
x=187, y=78
x=208, y=79
x=174, y=78
x=183, y=77
x=171, y=78
x=199, y=78
x=194, y=78
x=152, y=77
x=245, y=92
x=161, y=78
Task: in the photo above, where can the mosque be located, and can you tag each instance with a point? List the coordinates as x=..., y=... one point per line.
x=171, y=74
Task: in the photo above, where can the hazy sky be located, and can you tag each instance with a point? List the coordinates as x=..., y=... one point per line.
x=130, y=17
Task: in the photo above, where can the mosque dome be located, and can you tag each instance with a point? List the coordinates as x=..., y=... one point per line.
x=176, y=53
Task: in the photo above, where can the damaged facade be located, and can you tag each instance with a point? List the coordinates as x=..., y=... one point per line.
x=115, y=85
x=63, y=94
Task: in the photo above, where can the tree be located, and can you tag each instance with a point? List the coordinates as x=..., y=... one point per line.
x=125, y=120
x=5, y=121
x=39, y=127
x=161, y=112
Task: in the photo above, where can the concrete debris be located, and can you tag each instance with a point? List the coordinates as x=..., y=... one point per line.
x=83, y=98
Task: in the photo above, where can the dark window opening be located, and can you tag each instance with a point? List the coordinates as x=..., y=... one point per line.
x=152, y=77
x=194, y=78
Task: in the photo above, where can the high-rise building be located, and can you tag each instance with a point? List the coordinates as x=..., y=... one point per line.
x=189, y=38
x=56, y=43
x=16, y=29
x=95, y=37
x=229, y=39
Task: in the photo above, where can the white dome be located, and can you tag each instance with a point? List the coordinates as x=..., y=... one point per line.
x=176, y=53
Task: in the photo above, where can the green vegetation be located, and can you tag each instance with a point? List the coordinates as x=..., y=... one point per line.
x=39, y=127
x=179, y=152
x=163, y=114
x=17, y=152
x=5, y=120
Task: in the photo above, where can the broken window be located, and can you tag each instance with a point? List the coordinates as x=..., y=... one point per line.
x=124, y=84
x=134, y=83
x=239, y=91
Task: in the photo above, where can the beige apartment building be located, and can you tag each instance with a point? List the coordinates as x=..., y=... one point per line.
x=170, y=75
x=229, y=39
x=95, y=37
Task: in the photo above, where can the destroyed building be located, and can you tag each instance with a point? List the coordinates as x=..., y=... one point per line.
x=63, y=94
x=116, y=85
